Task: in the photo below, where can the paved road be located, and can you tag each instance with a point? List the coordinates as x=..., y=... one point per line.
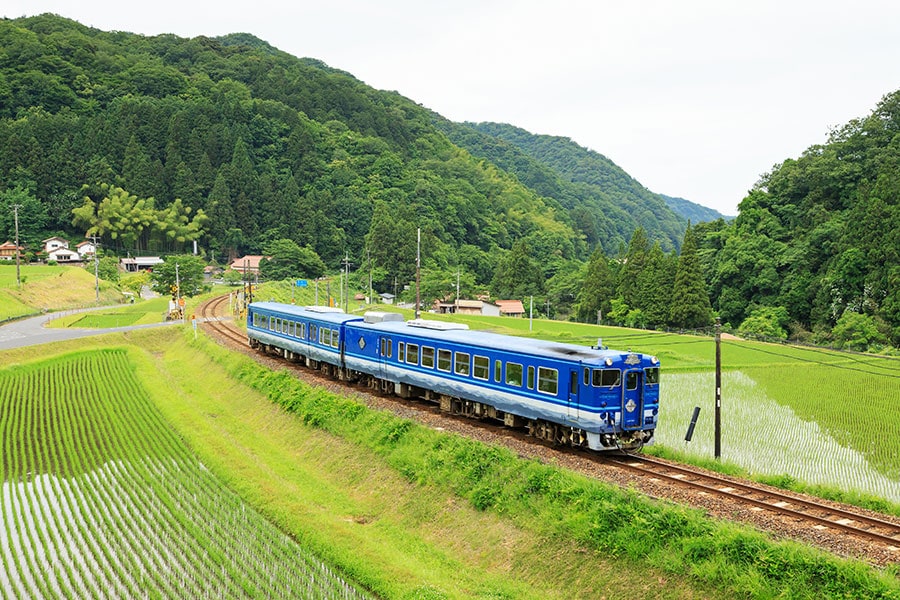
x=31, y=331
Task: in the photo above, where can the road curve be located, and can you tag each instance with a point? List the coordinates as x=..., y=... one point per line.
x=31, y=331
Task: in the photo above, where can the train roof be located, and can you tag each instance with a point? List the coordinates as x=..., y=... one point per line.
x=457, y=333
x=330, y=314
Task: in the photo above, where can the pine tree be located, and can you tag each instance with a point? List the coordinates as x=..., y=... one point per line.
x=690, y=299
x=597, y=291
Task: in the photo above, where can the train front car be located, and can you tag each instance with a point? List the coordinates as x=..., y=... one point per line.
x=618, y=394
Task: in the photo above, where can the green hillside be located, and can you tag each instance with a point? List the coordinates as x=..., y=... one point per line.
x=604, y=202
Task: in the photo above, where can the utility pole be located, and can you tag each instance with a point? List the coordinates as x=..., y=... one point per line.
x=346, y=262
x=178, y=292
x=718, y=426
x=16, y=208
x=418, y=264
x=96, y=267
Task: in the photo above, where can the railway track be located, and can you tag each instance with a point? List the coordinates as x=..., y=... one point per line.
x=213, y=318
x=819, y=515
x=806, y=513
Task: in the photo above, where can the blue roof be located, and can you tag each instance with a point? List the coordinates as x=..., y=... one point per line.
x=496, y=341
x=320, y=313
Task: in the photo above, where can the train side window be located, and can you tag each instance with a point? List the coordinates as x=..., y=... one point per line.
x=335, y=338
x=587, y=377
x=607, y=377
x=530, y=378
x=548, y=380
x=312, y=332
x=498, y=370
x=400, y=351
x=461, y=363
x=631, y=380
x=387, y=348
x=303, y=330
x=445, y=360
x=514, y=374
x=428, y=357
x=412, y=354
x=652, y=375
x=272, y=323
x=481, y=367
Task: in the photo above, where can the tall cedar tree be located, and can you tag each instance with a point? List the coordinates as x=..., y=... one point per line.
x=690, y=300
x=597, y=291
x=635, y=262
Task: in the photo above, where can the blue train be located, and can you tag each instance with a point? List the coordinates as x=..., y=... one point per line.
x=563, y=393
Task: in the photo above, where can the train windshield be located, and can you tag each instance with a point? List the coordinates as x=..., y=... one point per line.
x=652, y=375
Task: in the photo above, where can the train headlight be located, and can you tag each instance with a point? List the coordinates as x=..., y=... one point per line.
x=608, y=362
x=654, y=360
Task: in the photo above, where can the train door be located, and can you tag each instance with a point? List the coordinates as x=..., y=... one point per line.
x=573, y=394
x=632, y=399
x=385, y=353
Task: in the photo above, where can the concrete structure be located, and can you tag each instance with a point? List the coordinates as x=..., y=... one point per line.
x=140, y=263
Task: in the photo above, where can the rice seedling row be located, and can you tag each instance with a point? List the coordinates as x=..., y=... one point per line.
x=101, y=498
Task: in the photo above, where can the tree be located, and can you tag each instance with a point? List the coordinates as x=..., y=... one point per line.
x=189, y=271
x=767, y=322
x=690, y=299
x=287, y=260
x=597, y=291
x=855, y=331
x=517, y=275
x=31, y=214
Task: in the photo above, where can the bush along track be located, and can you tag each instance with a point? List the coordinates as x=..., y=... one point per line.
x=564, y=506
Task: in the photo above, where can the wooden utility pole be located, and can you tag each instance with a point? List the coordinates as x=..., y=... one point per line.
x=16, y=208
x=718, y=426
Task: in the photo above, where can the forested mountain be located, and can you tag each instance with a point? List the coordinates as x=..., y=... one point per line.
x=606, y=204
x=816, y=246
x=693, y=212
x=266, y=145
x=153, y=142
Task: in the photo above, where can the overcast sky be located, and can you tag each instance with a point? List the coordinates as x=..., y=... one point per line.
x=694, y=98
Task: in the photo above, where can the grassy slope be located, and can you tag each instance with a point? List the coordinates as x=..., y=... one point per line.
x=49, y=288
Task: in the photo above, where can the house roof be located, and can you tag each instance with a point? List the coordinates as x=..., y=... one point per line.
x=249, y=262
x=510, y=307
x=85, y=243
x=55, y=237
x=10, y=245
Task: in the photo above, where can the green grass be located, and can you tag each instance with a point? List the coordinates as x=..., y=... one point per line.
x=140, y=313
x=49, y=288
x=591, y=518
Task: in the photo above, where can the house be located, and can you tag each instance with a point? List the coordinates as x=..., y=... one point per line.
x=387, y=298
x=86, y=249
x=63, y=255
x=468, y=307
x=140, y=263
x=54, y=243
x=8, y=251
x=247, y=264
x=511, y=308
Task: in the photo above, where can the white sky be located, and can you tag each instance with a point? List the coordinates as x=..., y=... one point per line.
x=696, y=98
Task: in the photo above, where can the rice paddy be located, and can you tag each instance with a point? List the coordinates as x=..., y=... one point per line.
x=100, y=498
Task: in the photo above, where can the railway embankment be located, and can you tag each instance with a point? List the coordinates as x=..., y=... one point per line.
x=580, y=518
